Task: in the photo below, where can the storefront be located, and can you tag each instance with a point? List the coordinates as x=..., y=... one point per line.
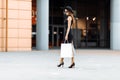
x=92, y=29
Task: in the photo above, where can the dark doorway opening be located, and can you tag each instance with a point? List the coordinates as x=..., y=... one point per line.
x=93, y=22
x=34, y=18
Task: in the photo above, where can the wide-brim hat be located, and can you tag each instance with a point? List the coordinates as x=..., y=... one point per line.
x=69, y=8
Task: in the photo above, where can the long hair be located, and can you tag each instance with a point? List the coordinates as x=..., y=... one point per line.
x=74, y=20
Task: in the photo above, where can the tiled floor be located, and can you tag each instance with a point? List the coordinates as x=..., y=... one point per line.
x=42, y=65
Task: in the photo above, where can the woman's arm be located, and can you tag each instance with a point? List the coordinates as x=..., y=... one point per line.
x=69, y=26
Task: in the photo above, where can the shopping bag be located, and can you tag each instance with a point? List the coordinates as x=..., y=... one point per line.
x=66, y=50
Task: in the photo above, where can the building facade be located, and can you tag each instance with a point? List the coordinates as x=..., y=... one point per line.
x=16, y=25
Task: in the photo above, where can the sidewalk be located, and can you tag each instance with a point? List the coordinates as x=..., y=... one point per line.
x=42, y=65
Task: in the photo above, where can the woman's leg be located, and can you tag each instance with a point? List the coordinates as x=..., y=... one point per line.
x=61, y=60
x=72, y=60
x=72, y=63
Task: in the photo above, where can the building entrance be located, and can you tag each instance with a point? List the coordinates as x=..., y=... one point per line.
x=92, y=18
x=93, y=23
x=56, y=35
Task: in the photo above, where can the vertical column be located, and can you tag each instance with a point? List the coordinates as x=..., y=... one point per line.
x=2, y=25
x=42, y=24
x=115, y=25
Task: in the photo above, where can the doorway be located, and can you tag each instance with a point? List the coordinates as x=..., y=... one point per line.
x=34, y=18
x=93, y=21
x=56, y=36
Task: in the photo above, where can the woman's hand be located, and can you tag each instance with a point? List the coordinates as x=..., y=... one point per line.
x=66, y=37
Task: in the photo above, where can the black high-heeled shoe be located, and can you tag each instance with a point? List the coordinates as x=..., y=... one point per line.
x=72, y=65
x=61, y=64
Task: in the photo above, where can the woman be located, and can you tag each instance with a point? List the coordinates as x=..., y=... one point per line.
x=69, y=21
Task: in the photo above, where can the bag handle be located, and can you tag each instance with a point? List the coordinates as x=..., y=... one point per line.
x=66, y=41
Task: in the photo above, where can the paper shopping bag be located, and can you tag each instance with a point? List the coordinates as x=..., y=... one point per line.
x=66, y=50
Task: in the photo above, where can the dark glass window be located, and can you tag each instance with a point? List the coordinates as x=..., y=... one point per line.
x=93, y=22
